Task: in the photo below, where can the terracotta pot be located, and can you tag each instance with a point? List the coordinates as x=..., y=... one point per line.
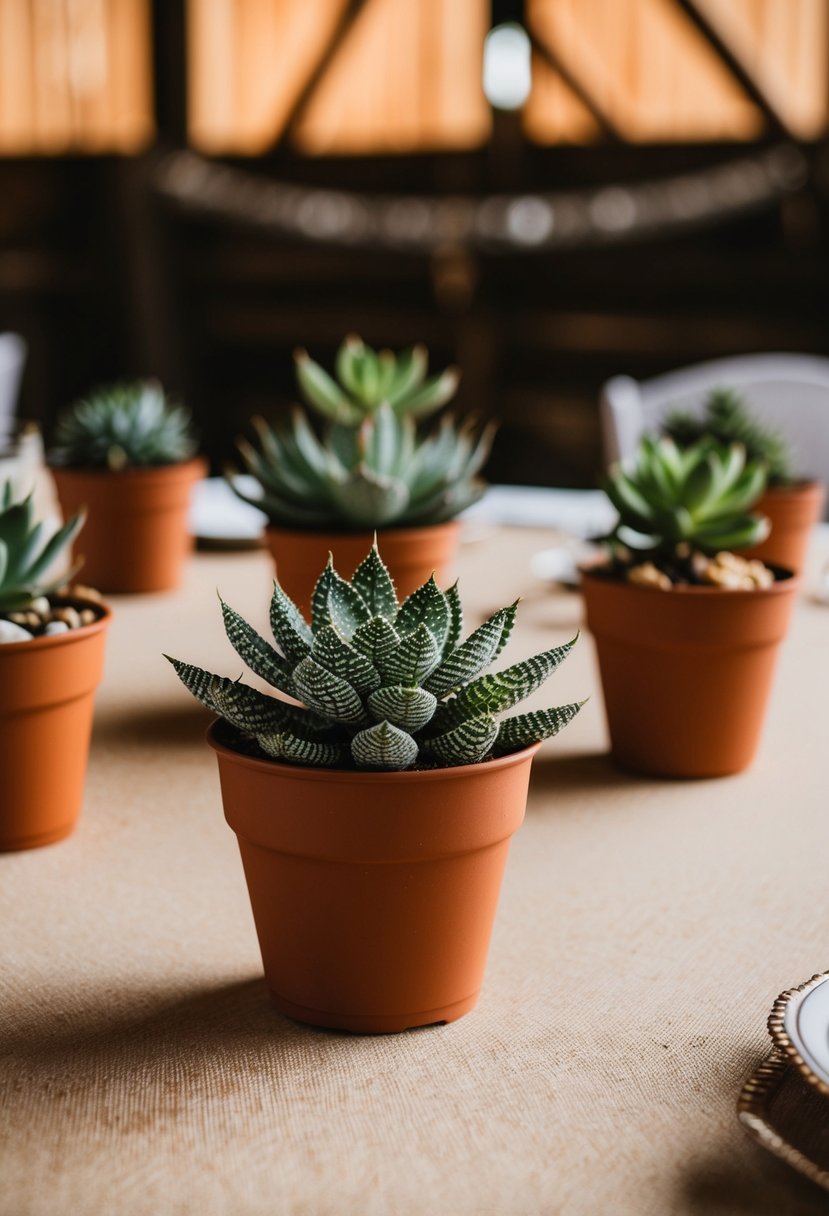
x=136, y=535
x=793, y=511
x=411, y=554
x=47, y=689
x=686, y=673
x=373, y=893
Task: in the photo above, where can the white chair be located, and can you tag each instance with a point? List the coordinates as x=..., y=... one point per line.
x=12, y=359
x=788, y=391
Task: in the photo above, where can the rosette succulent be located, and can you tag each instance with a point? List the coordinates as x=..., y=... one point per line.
x=371, y=468
x=26, y=554
x=728, y=420
x=699, y=498
x=123, y=426
x=381, y=685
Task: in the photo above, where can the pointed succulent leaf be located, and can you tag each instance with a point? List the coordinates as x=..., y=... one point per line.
x=408, y=374
x=431, y=395
x=524, y=729
x=347, y=609
x=328, y=694
x=413, y=660
x=314, y=753
x=349, y=350
x=453, y=634
x=427, y=605
x=408, y=708
x=376, y=639
x=501, y=690
x=374, y=583
x=472, y=656
x=323, y=393
x=320, y=612
x=466, y=743
x=242, y=706
x=291, y=630
x=383, y=746
x=371, y=499
x=336, y=656
x=252, y=649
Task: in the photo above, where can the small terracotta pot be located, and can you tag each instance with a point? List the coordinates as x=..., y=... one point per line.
x=411, y=554
x=373, y=894
x=47, y=690
x=793, y=512
x=686, y=673
x=136, y=536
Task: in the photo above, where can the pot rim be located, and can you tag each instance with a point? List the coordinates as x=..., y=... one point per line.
x=136, y=473
x=781, y=586
x=300, y=772
x=352, y=534
x=64, y=639
x=801, y=485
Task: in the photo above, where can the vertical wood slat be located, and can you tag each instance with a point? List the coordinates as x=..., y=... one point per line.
x=16, y=77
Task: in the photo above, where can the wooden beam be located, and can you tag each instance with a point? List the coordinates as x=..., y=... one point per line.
x=553, y=60
x=730, y=57
x=328, y=52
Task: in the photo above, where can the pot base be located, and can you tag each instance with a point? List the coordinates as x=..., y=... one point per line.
x=20, y=843
x=364, y=1023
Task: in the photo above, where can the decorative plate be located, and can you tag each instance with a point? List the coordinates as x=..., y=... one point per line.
x=799, y=1027
x=788, y=1116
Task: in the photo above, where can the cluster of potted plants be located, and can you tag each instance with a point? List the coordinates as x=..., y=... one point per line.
x=375, y=790
x=372, y=469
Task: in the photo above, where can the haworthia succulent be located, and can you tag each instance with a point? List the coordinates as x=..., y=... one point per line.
x=128, y=425
x=374, y=694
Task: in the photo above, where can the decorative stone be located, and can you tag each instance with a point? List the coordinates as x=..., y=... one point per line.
x=88, y=616
x=70, y=616
x=41, y=606
x=10, y=632
x=80, y=592
x=56, y=627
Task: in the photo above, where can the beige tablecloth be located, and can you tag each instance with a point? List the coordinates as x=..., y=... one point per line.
x=645, y=928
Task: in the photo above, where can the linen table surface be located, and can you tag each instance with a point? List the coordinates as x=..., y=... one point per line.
x=645, y=928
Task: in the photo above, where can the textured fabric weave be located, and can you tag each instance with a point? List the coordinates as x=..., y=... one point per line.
x=645, y=928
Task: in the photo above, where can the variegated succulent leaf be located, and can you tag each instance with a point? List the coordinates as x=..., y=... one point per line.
x=480, y=649
x=408, y=708
x=375, y=694
x=384, y=746
x=533, y=727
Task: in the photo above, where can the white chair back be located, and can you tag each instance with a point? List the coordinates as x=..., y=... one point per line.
x=785, y=390
x=12, y=359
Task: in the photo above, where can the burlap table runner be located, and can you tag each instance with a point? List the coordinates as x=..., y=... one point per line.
x=644, y=930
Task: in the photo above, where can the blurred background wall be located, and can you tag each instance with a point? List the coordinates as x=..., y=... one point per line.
x=547, y=191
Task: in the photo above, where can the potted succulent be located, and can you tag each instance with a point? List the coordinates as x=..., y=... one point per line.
x=51, y=659
x=370, y=471
x=127, y=456
x=374, y=808
x=686, y=630
x=792, y=505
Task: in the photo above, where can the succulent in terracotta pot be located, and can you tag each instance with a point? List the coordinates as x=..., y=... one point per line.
x=686, y=630
x=792, y=504
x=369, y=468
x=375, y=798
x=51, y=659
x=128, y=456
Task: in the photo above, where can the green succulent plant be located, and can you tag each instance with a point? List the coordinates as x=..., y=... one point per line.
x=700, y=496
x=727, y=419
x=123, y=426
x=382, y=685
x=375, y=475
x=25, y=554
x=366, y=378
